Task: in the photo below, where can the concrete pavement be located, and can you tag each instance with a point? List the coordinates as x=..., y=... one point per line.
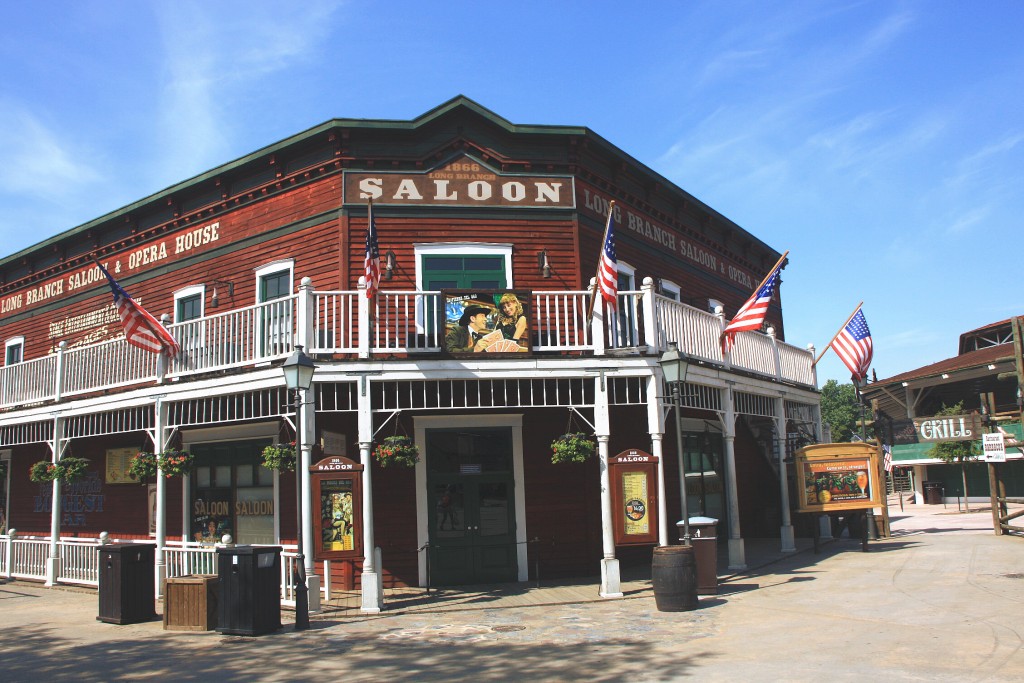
x=941, y=600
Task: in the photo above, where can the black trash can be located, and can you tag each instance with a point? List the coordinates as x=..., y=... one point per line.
x=127, y=583
x=933, y=493
x=704, y=538
x=250, y=590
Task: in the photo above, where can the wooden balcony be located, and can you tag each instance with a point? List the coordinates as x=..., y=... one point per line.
x=338, y=326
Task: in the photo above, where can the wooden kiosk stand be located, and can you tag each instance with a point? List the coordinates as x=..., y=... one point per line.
x=337, y=487
x=634, y=483
x=838, y=478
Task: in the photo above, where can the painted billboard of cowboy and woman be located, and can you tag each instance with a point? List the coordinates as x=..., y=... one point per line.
x=496, y=322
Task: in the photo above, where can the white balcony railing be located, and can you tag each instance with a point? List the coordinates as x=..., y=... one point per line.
x=340, y=323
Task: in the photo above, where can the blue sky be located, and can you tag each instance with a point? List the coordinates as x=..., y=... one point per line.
x=881, y=143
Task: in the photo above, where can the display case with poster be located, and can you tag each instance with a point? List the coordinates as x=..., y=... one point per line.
x=493, y=321
x=634, y=478
x=837, y=476
x=337, y=508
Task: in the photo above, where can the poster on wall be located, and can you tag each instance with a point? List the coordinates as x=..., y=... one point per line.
x=211, y=515
x=485, y=321
x=118, y=460
x=337, y=528
x=634, y=491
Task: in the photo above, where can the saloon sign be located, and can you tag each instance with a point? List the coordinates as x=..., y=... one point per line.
x=462, y=182
x=948, y=428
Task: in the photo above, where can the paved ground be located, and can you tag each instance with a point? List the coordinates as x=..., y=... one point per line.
x=940, y=601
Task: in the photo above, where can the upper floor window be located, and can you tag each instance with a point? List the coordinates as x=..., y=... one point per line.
x=670, y=289
x=188, y=303
x=14, y=351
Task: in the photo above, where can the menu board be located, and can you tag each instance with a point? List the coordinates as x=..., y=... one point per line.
x=634, y=494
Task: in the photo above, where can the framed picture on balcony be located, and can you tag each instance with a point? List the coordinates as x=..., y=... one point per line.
x=489, y=321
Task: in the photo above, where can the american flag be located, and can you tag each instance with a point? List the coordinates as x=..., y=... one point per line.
x=371, y=265
x=854, y=347
x=887, y=459
x=608, y=270
x=140, y=328
x=751, y=314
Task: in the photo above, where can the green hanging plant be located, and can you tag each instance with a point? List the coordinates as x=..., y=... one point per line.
x=142, y=466
x=175, y=463
x=280, y=457
x=572, y=447
x=69, y=469
x=43, y=472
x=397, y=450
x=72, y=468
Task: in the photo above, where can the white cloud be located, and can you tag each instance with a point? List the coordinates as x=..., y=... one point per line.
x=38, y=160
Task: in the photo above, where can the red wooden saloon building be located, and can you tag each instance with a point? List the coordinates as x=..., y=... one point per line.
x=482, y=224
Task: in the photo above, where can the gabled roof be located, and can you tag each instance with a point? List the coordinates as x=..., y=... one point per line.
x=972, y=359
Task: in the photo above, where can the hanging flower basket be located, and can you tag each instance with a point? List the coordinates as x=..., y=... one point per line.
x=280, y=456
x=574, y=447
x=43, y=471
x=72, y=468
x=175, y=463
x=142, y=466
x=398, y=451
x=68, y=470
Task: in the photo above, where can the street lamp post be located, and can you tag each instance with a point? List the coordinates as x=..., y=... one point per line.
x=298, y=376
x=674, y=367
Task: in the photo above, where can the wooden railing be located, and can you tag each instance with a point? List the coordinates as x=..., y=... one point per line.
x=340, y=323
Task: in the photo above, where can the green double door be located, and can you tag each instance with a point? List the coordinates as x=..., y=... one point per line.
x=471, y=494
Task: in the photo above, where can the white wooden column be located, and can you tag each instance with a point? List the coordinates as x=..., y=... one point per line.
x=53, y=558
x=656, y=427
x=159, y=420
x=611, y=585
x=737, y=554
x=370, y=579
x=786, y=531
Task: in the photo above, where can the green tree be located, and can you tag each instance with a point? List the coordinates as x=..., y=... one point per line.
x=954, y=452
x=840, y=409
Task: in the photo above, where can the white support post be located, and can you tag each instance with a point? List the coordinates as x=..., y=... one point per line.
x=726, y=357
x=652, y=333
x=776, y=356
x=58, y=380
x=365, y=308
x=656, y=428
x=737, y=553
x=160, y=570
x=53, y=557
x=814, y=368
x=786, y=531
x=611, y=585
x=597, y=322
x=305, y=327
x=370, y=579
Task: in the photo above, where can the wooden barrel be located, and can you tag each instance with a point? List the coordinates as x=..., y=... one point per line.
x=674, y=576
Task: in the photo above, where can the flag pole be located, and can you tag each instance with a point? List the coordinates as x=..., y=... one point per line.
x=838, y=332
x=607, y=226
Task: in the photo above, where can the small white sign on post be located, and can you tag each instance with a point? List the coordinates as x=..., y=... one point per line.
x=994, y=448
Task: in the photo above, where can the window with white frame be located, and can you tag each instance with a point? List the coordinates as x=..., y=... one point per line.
x=458, y=265
x=670, y=289
x=14, y=350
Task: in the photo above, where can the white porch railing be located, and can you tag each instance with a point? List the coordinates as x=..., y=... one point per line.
x=340, y=323
x=25, y=558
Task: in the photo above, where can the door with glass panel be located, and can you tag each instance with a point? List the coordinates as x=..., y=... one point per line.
x=471, y=511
